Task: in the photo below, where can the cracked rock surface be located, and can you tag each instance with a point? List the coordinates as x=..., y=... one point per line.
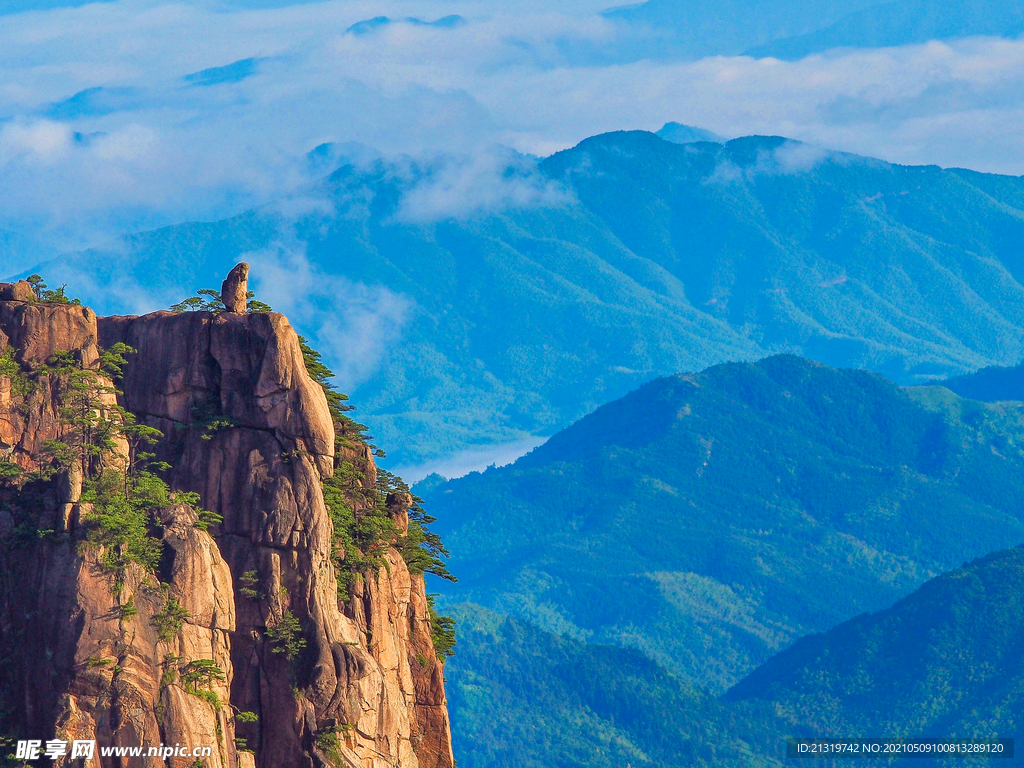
x=249, y=430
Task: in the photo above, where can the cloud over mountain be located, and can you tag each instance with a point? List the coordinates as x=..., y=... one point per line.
x=200, y=111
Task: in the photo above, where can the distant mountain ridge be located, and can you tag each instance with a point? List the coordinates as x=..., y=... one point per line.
x=377, y=23
x=687, y=134
x=991, y=384
x=546, y=288
x=901, y=23
x=709, y=520
x=793, y=29
x=693, y=30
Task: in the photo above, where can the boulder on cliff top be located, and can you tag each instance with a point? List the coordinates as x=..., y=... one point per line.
x=19, y=291
x=234, y=291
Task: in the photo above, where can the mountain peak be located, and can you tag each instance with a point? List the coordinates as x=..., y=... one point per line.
x=688, y=134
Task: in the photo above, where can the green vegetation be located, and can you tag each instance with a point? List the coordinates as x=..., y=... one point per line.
x=711, y=520
x=198, y=677
x=944, y=661
x=21, y=384
x=206, y=415
x=363, y=526
x=206, y=517
x=127, y=610
x=169, y=619
x=42, y=293
x=208, y=300
x=421, y=548
x=525, y=698
x=286, y=636
x=9, y=470
x=336, y=401
x=360, y=539
x=327, y=742
x=90, y=425
x=442, y=631
x=8, y=747
x=123, y=519
x=250, y=579
x=210, y=697
x=170, y=670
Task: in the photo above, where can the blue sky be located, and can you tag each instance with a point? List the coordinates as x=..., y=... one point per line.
x=105, y=125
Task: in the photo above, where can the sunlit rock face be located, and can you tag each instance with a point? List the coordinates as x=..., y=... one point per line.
x=246, y=427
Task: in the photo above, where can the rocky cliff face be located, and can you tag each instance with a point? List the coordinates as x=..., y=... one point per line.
x=320, y=680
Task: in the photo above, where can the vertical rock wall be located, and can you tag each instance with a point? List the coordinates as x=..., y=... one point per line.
x=77, y=664
x=368, y=686
x=246, y=428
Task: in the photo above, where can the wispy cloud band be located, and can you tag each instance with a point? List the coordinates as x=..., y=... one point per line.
x=105, y=124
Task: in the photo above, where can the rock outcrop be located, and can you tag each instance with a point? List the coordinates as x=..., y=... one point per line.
x=325, y=681
x=234, y=291
x=19, y=291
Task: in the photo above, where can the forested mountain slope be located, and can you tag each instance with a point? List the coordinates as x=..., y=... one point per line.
x=464, y=308
x=944, y=662
x=710, y=520
x=526, y=698
x=947, y=660
x=993, y=383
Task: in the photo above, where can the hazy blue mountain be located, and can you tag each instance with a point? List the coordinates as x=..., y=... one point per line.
x=20, y=6
x=234, y=72
x=687, y=134
x=469, y=308
x=792, y=29
x=709, y=520
x=992, y=383
x=93, y=102
x=903, y=22
x=947, y=660
x=99, y=101
x=378, y=22
x=692, y=30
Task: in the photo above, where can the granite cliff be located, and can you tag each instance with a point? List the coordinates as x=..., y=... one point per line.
x=224, y=622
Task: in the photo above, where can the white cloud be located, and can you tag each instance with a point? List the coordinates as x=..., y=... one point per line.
x=354, y=323
x=153, y=149
x=462, y=463
x=38, y=141
x=790, y=157
x=795, y=157
x=487, y=181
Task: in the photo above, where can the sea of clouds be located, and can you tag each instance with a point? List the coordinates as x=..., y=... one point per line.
x=105, y=127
